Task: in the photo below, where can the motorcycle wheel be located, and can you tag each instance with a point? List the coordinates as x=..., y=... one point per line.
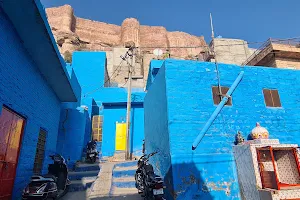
x=147, y=195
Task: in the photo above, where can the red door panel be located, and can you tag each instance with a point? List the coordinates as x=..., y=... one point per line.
x=11, y=128
x=14, y=140
x=8, y=171
x=6, y=119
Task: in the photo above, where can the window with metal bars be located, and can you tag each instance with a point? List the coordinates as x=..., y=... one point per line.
x=216, y=95
x=97, y=127
x=40, y=152
x=272, y=98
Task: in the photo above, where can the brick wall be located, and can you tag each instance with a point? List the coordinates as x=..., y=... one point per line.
x=209, y=171
x=24, y=90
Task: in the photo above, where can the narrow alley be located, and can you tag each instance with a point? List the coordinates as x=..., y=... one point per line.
x=105, y=180
x=102, y=100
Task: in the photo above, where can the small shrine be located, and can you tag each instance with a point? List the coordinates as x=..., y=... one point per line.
x=267, y=169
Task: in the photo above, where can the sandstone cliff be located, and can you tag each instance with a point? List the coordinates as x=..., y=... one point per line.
x=74, y=33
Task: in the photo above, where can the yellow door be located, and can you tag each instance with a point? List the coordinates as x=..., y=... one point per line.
x=120, y=136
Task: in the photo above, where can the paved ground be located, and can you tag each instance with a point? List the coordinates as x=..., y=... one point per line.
x=83, y=196
x=102, y=188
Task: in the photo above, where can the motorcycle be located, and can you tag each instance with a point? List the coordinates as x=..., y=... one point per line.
x=52, y=185
x=91, y=152
x=148, y=184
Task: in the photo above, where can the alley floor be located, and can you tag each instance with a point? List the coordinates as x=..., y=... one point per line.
x=114, y=181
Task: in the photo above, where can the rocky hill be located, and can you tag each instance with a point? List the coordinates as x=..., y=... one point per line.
x=74, y=34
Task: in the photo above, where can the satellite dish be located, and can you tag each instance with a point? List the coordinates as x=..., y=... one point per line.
x=157, y=52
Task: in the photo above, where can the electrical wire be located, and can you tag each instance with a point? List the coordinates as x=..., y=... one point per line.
x=124, y=58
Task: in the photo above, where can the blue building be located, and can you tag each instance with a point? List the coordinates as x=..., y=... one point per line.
x=108, y=102
x=178, y=105
x=33, y=83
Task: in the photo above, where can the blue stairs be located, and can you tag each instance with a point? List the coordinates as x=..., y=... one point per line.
x=123, y=177
x=83, y=176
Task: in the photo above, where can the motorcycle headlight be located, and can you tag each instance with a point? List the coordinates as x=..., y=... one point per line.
x=42, y=189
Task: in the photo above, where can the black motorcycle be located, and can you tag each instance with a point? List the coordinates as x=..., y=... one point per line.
x=148, y=184
x=91, y=152
x=50, y=186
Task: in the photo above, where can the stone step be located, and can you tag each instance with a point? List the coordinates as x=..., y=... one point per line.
x=125, y=168
x=124, y=179
x=123, y=191
x=126, y=164
x=81, y=185
x=118, y=157
x=87, y=167
x=123, y=173
x=83, y=175
x=130, y=184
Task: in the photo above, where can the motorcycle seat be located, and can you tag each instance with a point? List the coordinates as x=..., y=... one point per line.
x=50, y=176
x=151, y=176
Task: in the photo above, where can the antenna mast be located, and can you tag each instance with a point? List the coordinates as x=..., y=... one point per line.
x=212, y=27
x=215, y=57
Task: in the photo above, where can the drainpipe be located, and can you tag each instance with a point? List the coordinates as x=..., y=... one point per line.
x=217, y=111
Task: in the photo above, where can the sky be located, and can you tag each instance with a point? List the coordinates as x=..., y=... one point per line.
x=251, y=20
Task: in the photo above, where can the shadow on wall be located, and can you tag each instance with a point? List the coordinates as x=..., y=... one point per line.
x=184, y=181
x=95, y=108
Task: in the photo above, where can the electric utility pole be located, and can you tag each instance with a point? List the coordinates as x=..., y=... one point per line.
x=128, y=154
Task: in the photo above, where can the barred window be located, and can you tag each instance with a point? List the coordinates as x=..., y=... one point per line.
x=97, y=127
x=40, y=152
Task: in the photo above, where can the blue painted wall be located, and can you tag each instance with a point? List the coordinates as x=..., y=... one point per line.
x=110, y=117
x=72, y=134
x=156, y=128
x=137, y=129
x=117, y=113
x=154, y=67
x=113, y=108
x=89, y=68
x=24, y=90
x=209, y=171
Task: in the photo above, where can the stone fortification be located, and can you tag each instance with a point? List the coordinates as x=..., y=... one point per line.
x=74, y=33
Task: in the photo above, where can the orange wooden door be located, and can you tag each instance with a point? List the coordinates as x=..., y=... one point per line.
x=11, y=128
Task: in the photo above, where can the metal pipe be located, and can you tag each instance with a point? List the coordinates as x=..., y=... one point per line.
x=217, y=111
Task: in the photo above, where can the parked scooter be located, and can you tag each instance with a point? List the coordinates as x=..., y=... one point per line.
x=148, y=184
x=52, y=185
x=91, y=151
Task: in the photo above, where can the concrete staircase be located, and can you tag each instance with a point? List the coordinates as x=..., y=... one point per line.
x=115, y=181
x=123, y=182
x=83, y=176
